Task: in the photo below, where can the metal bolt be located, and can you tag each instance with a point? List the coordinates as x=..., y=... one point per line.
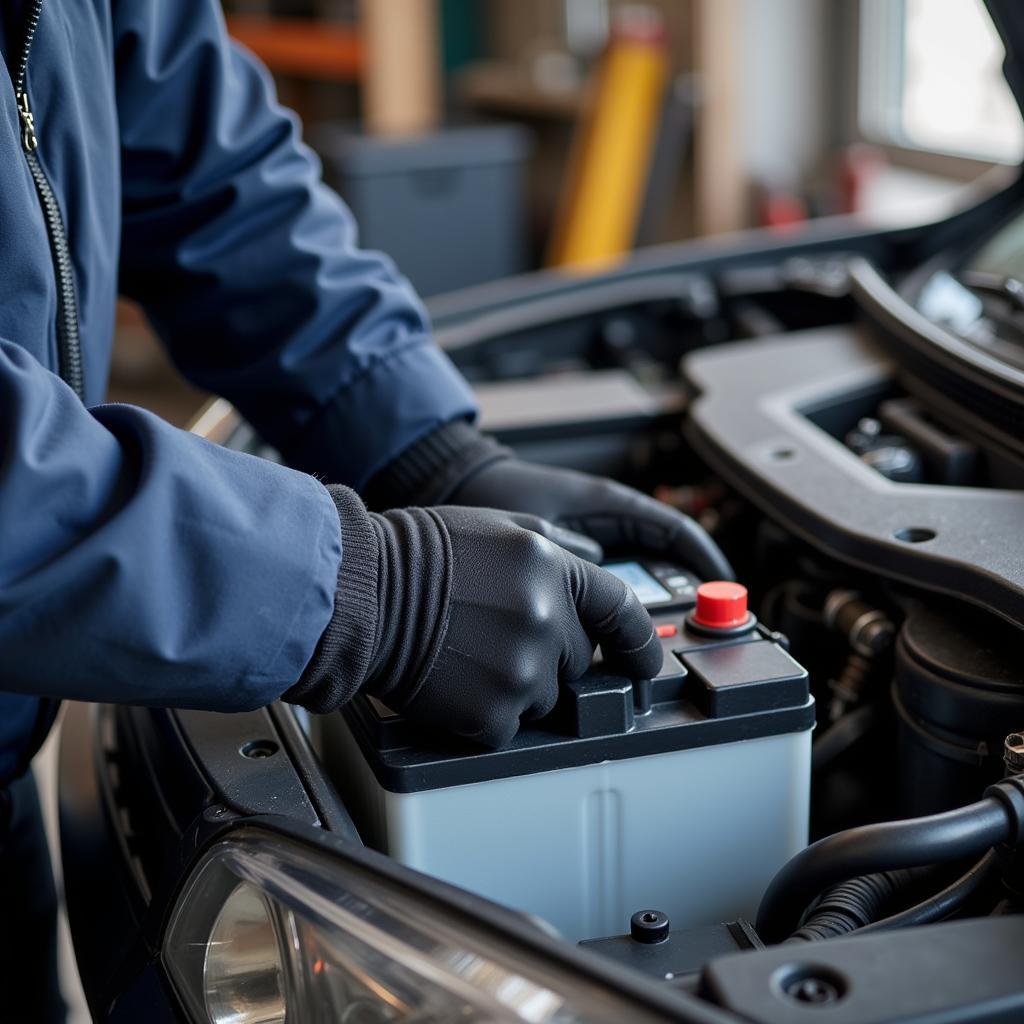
x=816, y=991
x=258, y=749
x=1013, y=753
x=649, y=926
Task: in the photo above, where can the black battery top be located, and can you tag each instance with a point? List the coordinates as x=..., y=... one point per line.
x=725, y=678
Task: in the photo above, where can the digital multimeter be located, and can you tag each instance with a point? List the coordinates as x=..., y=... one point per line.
x=658, y=585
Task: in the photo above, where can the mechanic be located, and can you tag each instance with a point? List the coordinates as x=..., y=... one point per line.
x=143, y=153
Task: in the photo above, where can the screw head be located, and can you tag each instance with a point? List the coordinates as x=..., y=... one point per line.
x=256, y=750
x=810, y=984
x=812, y=990
x=649, y=926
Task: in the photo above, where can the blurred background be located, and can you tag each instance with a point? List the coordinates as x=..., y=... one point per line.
x=477, y=139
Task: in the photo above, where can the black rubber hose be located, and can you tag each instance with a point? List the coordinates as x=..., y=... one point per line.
x=852, y=905
x=842, y=735
x=943, y=903
x=935, y=839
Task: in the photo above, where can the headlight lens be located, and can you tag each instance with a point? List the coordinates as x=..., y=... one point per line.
x=268, y=931
x=243, y=974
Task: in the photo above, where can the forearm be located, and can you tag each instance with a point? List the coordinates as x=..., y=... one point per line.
x=248, y=265
x=143, y=565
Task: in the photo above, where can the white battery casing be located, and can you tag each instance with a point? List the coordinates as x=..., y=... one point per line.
x=696, y=833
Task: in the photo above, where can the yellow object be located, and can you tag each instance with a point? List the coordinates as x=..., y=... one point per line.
x=611, y=159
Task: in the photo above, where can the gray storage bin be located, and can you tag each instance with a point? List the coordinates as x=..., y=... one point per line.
x=447, y=207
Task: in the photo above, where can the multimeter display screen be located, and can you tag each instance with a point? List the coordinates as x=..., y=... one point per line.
x=643, y=584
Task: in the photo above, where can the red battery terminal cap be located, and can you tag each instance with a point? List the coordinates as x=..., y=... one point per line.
x=721, y=605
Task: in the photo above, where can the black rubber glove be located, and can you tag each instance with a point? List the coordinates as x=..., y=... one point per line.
x=467, y=619
x=460, y=466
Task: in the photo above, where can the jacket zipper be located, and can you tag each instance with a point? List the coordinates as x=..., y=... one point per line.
x=69, y=349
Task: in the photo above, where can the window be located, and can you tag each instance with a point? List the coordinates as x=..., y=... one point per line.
x=931, y=79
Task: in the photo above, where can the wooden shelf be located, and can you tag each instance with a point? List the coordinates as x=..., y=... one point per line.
x=301, y=46
x=508, y=89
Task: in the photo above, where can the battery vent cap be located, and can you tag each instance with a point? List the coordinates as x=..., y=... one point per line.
x=721, y=605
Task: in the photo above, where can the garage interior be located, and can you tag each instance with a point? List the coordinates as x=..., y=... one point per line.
x=480, y=142
x=770, y=112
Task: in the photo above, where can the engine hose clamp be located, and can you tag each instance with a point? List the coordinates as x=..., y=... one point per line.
x=834, y=604
x=860, y=641
x=1010, y=793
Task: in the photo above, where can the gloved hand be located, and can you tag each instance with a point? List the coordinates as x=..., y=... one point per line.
x=468, y=619
x=458, y=465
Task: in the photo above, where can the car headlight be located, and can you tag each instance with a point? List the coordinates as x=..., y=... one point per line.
x=270, y=931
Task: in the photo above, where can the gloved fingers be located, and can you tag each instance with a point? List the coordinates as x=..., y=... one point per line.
x=693, y=546
x=605, y=529
x=544, y=703
x=575, y=543
x=651, y=527
x=488, y=714
x=577, y=654
x=499, y=732
x=495, y=731
x=576, y=657
x=613, y=616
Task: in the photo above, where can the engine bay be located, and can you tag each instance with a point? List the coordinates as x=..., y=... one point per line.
x=877, y=527
x=818, y=801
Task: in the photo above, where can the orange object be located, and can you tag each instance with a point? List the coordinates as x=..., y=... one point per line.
x=301, y=46
x=859, y=166
x=665, y=630
x=782, y=210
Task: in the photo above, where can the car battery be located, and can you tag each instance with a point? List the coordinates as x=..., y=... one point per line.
x=686, y=792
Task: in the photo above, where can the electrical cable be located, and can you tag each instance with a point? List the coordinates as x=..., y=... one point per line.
x=935, y=839
x=943, y=903
x=852, y=905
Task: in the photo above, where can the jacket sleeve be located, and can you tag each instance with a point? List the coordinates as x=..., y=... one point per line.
x=144, y=565
x=247, y=264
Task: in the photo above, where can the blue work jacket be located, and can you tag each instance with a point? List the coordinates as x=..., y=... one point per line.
x=140, y=564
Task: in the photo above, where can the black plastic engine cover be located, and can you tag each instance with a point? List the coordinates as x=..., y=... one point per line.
x=940, y=974
x=759, y=422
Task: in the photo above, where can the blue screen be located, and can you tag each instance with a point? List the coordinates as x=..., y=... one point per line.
x=643, y=584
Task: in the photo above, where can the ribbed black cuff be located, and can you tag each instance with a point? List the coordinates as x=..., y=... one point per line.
x=342, y=657
x=432, y=469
